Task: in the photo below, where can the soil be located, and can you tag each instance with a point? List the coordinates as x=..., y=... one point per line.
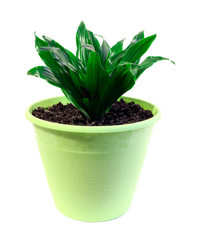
x=120, y=113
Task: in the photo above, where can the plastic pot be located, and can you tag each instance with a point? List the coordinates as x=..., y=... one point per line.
x=92, y=171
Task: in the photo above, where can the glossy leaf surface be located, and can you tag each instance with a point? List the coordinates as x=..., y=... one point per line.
x=105, y=48
x=136, y=51
x=148, y=62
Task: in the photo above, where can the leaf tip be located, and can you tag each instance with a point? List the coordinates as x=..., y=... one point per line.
x=29, y=72
x=82, y=24
x=35, y=35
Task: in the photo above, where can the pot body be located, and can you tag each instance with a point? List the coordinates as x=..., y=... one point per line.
x=92, y=172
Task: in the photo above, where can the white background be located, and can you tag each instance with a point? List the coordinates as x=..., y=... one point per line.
x=166, y=204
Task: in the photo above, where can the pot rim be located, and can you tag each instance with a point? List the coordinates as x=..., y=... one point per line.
x=92, y=129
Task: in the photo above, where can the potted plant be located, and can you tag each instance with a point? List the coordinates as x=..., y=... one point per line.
x=92, y=170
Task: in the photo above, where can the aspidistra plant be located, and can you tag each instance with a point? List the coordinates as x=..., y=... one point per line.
x=99, y=74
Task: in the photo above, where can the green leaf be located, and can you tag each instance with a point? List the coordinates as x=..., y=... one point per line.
x=60, y=57
x=94, y=42
x=50, y=61
x=148, y=62
x=123, y=64
x=105, y=48
x=53, y=43
x=138, y=49
x=97, y=79
x=75, y=61
x=122, y=81
x=89, y=47
x=117, y=48
x=114, y=60
x=66, y=67
x=61, y=70
x=136, y=38
x=39, y=43
x=46, y=74
x=82, y=76
x=79, y=104
x=69, y=56
x=82, y=38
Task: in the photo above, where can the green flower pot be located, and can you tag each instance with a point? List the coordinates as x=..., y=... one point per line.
x=92, y=171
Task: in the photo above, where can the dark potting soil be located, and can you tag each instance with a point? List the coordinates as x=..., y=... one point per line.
x=120, y=113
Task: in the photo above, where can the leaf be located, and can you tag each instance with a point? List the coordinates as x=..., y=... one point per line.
x=66, y=67
x=148, y=62
x=79, y=104
x=46, y=74
x=94, y=42
x=75, y=61
x=53, y=43
x=118, y=47
x=122, y=81
x=67, y=60
x=114, y=60
x=138, y=49
x=123, y=64
x=136, y=38
x=82, y=76
x=105, y=48
x=50, y=61
x=39, y=43
x=82, y=38
x=60, y=57
x=89, y=47
x=97, y=79
x=69, y=56
x=60, y=70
